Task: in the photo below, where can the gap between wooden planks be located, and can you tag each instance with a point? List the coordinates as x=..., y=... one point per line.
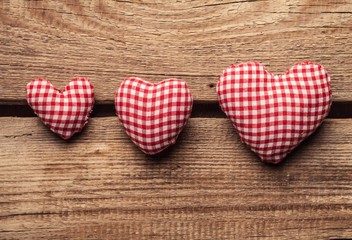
x=199, y=109
x=107, y=41
x=209, y=186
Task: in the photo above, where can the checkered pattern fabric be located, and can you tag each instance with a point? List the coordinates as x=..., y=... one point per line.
x=64, y=112
x=153, y=115
x=274, y=113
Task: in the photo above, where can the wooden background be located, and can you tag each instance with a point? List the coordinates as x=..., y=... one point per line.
x=209, y=185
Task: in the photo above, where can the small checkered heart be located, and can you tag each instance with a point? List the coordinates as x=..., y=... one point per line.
x=64, y=112
x=153, y=115
x=274, y=113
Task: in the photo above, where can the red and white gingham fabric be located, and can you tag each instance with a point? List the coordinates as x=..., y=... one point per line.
x=153, y=115
x=65, y=112
x=274, y=113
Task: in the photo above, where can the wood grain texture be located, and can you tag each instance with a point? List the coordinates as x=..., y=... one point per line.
x=193, y=40
x=209, y=186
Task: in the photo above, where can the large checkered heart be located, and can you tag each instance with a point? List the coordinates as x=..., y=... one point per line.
x=274, y=113
x=153, y=115
x=64, y=112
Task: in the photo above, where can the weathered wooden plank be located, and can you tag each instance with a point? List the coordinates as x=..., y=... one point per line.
x=193, y=40
x=208, y=186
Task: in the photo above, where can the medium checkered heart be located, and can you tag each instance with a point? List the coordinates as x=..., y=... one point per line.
x=153, y=115
x=64, y=112
x=274, y=113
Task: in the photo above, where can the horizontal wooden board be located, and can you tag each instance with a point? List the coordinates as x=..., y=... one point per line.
x=108, y=40
x=208, y=186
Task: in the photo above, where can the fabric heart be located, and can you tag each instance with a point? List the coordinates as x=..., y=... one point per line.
x=274, y=113
x=153, y=115
x=65, y=112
